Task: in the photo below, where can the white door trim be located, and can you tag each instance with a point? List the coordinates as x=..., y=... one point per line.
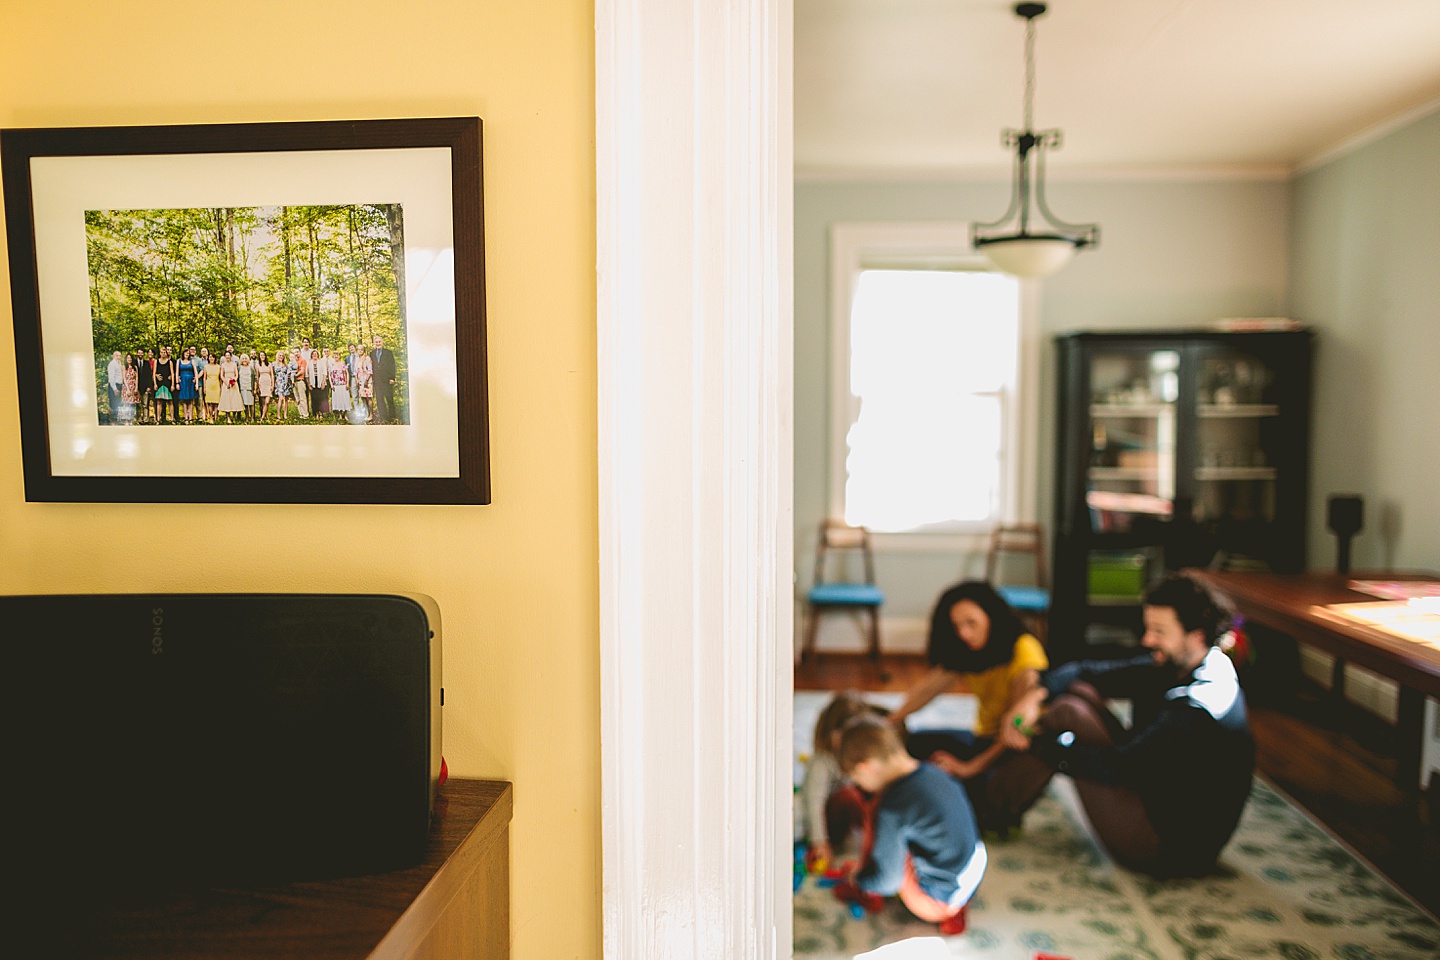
x=694, y=249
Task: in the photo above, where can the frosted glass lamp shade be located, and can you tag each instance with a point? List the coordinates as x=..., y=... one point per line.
x=1029, y=256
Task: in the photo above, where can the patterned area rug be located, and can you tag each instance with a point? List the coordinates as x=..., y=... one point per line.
x=1285, y=889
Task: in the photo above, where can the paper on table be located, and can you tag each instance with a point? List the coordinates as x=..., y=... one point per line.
x=1397, y=589
x=1395, y=617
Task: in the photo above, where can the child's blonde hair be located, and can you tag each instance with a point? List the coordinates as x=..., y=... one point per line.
x=843, y=708
x=867, y=738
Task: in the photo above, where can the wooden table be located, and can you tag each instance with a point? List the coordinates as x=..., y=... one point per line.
x=454, y=904
x=1294, y=604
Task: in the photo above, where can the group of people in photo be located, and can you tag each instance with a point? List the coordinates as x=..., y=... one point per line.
x=302, y=384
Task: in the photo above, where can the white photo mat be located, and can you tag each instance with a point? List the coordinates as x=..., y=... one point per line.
x=65, y=187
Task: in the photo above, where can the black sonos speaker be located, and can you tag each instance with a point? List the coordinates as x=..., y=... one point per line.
x=1345, y=516
x=203, y=738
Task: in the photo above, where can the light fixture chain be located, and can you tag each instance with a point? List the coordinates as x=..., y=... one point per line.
x=1029, y=73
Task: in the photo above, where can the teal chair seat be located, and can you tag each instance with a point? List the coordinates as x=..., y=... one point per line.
x=1031, y=601
x=847, y=595
x=843, y=595
x=1026, y=599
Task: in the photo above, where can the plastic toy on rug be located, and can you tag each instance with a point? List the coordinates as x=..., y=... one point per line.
x=860, y=901
x=831, y=876
x=825, y=875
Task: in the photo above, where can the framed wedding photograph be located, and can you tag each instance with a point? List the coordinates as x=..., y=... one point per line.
x=250, y=313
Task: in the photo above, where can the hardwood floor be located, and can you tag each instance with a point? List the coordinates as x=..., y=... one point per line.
x=1343, y=777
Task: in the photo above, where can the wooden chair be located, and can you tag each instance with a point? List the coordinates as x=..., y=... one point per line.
x=1030, y=601
x=844, y=595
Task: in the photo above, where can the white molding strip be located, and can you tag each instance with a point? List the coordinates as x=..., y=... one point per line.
x=1366, y=137
x=1085, y=173
x=694, y=249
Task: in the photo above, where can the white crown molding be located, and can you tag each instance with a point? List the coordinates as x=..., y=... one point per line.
x=1367, y=136
x=694, y=248
x=1098, y=173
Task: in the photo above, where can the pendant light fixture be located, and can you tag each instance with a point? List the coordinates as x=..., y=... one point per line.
x=1029, y=240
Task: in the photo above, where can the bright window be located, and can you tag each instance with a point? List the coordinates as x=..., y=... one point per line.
x=927, y=411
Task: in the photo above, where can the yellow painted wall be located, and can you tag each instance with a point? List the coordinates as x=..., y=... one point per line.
x=516, y=581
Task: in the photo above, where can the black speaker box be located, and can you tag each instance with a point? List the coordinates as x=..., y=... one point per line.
x=201, y=738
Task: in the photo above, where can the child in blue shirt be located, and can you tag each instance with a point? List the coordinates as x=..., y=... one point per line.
x=922, y=842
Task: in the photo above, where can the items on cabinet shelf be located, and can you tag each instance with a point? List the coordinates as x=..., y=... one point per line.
x=1256, y=325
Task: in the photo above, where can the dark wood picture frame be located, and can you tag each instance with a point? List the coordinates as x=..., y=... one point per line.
x=460, y=135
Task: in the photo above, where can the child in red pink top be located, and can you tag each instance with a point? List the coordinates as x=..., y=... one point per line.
x=831, y=806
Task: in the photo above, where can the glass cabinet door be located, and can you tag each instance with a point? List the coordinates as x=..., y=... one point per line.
x=1131, y=478
x=1237, y=449
x=1133, y=397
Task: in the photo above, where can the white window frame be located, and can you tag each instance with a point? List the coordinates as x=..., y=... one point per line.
x=864, y=245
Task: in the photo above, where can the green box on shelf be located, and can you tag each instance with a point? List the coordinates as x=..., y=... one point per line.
x=1117, y=575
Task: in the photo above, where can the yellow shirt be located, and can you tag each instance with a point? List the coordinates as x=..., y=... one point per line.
x=993, y=686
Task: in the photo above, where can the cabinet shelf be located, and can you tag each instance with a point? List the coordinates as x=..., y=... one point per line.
x=1124, y=473
x=1126, y=540
x=1115, y=501
x=1132, y=410
x=1221, y=411
x=1236, y=473
x=1104, y=601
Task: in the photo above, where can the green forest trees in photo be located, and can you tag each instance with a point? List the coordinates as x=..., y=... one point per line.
x=256, y=277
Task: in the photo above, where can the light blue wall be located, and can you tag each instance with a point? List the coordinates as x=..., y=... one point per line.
x=1365, y=264
x=1173, y=253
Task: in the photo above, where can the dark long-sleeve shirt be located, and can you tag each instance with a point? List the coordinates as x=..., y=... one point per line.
x=1190, y=757
x=927, y=815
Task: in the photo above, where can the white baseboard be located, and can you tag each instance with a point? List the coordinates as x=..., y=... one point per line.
x=1363, y=688
x=842, y=632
